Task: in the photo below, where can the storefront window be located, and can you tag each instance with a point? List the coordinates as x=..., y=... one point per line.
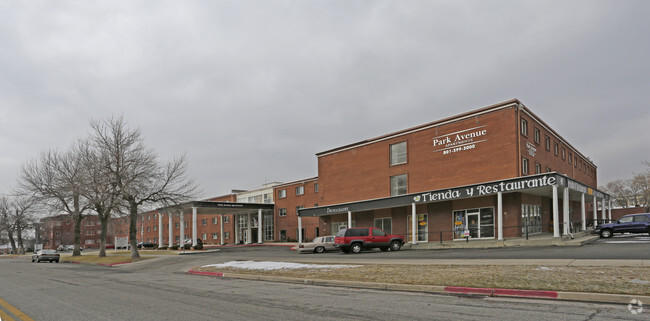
x=479, y=222
x=384, y=224
x=531, y=219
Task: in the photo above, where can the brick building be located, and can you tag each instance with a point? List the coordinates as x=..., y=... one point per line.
x=493, y=172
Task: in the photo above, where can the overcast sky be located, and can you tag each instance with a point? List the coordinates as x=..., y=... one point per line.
x=251, y=90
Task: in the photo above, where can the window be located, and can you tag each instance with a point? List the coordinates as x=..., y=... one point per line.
x=300, y=190
x=282, y=212
x=563, y=153
x=398, y=153
x=90, y=232
x=385, y=224
x=177, y=225
x=268, y=198
x=204, y=221
x=148, y=228
x=547, y=142
x=154, y=216
x=148, y=217
x=524, y=165
x=315, y=187
x=524, y=127
x=575, y=163
x=556, y=148
x=538, y=168
x=226, y=235
x=215, y=220
x=215, y=236
x=398, y=185
x=641, y=218
x=282, y=193
x=536, y=135
x=155, y=228
x=204, y=236
x=226, y=219
x=299, y=208
x=283, y=235
x=570, y=157
x=177, y=238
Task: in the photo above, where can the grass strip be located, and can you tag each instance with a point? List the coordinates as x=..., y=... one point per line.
x=619, y=280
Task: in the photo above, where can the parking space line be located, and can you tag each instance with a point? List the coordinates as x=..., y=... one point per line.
x=19, y=314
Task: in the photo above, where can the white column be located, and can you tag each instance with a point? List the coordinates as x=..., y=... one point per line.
x=259, y=226
x=500, y=214
x=221, y=228
x=170, y=241
x=349, y=219
x=237, y=227
x=595, y=205
x=182, y=229
x=299, y=229
x=194, y=231
x=603, y=210
x=160, y=226
x=414, y=220
x=249, y=229
x=583, y=212
x=565, y=210
x=556, y=216
x=609, y=211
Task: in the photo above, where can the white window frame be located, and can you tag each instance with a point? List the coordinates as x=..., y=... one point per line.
x=395, y=186
x=300, y=190
x=397, y=156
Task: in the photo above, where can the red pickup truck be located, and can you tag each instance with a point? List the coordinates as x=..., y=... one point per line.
x=358, y=238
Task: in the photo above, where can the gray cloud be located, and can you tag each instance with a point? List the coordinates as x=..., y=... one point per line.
x=251, y=90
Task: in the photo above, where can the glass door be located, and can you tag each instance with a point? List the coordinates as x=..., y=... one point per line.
x=473, y=225
x=422, y=229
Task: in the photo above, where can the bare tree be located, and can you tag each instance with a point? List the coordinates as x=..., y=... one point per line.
x=98, y=187
x=23, y=216
x=620, y=192
x=7, y=223
x=56, y=179
x=136, y=173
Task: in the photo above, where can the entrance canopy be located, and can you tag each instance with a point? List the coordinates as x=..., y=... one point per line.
x=540, y=184
x=207, y=207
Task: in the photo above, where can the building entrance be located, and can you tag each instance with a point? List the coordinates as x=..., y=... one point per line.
x=422, y=228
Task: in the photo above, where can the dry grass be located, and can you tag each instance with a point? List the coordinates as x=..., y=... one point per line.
x=95, y=259
x=620, y=280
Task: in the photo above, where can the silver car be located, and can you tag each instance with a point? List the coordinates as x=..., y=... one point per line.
x=46, y=255
x=320, y=244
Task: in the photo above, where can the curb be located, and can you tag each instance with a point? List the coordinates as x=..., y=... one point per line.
x=437, y=289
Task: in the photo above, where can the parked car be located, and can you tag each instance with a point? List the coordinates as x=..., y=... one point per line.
x=358, y=238
x=46, y=255
x=632, y=223
x=145, y=245
x=320, y=244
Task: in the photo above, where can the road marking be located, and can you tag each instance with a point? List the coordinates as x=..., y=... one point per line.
x=19, y=314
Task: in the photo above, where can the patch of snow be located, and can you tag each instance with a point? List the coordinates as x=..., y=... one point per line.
x=268, y=266
x=545, y=268
x=639, y=281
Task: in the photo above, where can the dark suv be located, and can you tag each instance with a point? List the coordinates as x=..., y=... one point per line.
x=358, y=238
x=633, y=223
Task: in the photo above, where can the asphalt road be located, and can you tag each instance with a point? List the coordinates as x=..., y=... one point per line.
x=158, y=289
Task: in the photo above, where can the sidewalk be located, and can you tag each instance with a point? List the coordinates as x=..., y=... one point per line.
x=544, y=239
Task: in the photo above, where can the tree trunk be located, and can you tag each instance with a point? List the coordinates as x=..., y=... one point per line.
x=133, y=215
x=103, y=219
x=19, y=236
x=12, y=241
x=77, y=234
